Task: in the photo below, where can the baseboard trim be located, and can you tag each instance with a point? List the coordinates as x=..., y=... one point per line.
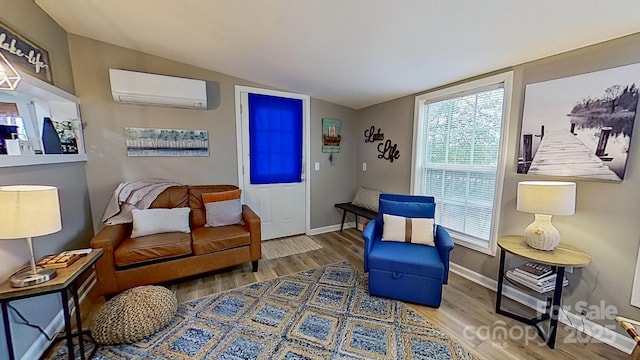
x=575, y=321
x=40, y=345
x=330, y=228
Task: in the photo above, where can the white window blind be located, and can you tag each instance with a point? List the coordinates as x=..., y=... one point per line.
x=459, y=159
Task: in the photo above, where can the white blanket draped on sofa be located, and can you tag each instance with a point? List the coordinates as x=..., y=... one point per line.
x=137, y=193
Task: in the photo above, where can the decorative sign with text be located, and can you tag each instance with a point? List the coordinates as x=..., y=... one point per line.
x=386, y=150
x=24, y=54
x=371, y=135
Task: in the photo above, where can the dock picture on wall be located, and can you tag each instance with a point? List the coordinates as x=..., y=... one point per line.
x=580, y=126
x=167, y=142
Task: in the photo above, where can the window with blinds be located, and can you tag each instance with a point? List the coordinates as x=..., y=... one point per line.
x=459, y=158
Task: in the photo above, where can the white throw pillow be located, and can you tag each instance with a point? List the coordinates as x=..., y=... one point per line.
x=411, y=230
x=155, y=221
x=367, y=198
x=221, y=213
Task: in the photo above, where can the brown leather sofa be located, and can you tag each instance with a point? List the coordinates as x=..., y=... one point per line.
x=158, y=258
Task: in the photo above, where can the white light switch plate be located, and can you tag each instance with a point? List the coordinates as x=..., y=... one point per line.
x=316, y=166
x=364, y=166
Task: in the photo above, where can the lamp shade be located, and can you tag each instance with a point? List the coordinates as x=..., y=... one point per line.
x=547, y=197
x=28, y=211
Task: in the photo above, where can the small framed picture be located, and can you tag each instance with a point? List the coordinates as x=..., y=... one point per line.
x=331, y=135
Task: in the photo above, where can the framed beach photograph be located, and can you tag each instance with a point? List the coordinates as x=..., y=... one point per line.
x=580, y=126
x=167, y=142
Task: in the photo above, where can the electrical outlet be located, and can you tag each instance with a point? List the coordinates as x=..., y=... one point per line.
x=569, y=269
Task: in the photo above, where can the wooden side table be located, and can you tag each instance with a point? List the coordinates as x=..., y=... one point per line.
x=562, y=256
x=65, y=282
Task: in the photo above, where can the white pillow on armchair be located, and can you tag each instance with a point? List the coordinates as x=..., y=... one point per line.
x=410, y=230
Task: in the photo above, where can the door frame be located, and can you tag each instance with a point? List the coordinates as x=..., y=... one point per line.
x=306, y=130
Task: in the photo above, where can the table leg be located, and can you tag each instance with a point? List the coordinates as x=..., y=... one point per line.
x=76, y=301
x=555, y=309
x=500, y=282
x=7, y=329
x=344, y=215
x=67, y=322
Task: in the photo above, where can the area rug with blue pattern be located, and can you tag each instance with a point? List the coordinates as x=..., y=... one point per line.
x=323, y=313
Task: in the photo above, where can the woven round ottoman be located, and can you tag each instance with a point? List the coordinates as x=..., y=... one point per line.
x=134, y=315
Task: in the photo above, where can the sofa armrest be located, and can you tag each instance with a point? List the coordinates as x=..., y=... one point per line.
x=108, y=240
x=252, y=221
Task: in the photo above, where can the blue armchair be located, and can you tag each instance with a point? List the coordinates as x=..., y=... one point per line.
x=406, y=271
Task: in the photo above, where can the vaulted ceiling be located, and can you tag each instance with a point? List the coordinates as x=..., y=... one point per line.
x=350, y=52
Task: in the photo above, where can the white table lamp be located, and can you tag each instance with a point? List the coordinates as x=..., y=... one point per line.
x=27, y=211
x=544, y=199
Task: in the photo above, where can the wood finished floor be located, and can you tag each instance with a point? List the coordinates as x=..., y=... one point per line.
x=465, y=305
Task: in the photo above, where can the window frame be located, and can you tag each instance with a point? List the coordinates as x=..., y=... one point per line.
x=449, y=92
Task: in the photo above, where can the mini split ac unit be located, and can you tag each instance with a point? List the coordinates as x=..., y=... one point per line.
x=132, y=87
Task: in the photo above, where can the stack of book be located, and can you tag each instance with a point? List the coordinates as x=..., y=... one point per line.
x=538, y=277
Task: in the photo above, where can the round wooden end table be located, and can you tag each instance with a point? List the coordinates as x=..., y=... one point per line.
x=562, y=256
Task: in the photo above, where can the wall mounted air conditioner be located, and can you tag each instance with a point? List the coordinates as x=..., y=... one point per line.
x=132, y=87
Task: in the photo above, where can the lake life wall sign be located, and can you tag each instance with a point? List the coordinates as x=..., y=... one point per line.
x=580, y=126
x=386, y=150
x=371, y=135
x=25, y=55
x=167, y=142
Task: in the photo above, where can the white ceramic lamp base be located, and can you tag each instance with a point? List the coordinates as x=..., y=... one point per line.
x=541, y=234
